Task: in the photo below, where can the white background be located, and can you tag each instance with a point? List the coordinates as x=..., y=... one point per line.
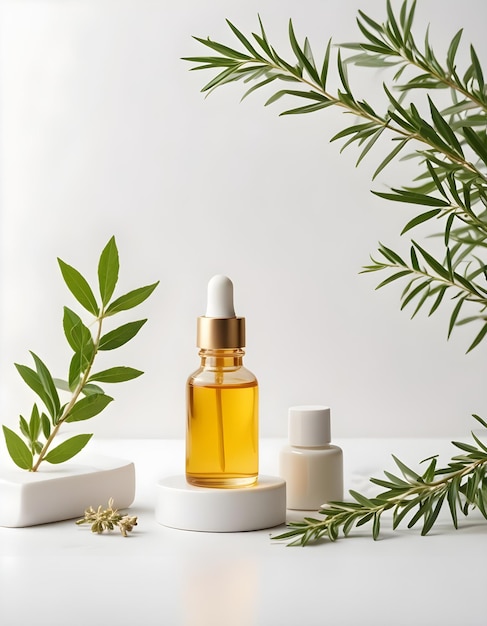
x=104, y=132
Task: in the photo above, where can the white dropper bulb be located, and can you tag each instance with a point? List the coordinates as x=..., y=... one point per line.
x=220, y=297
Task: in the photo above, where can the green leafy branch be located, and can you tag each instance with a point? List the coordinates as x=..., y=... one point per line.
x=261, y=62
x=393, y=43
x=449, y=143
x=429, y=280
x=86, y=398
x=462, y=484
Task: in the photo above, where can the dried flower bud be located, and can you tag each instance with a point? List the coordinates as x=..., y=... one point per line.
x=107, y=519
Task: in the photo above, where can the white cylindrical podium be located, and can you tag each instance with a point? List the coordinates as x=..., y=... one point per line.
x=184, y=506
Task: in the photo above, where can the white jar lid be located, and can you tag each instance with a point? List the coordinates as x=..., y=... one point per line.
x=309, y=426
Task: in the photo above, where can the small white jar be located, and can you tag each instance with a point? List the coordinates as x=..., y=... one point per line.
x=311, y=466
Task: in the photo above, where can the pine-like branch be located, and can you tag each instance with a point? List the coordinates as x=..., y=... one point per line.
x=449, y=144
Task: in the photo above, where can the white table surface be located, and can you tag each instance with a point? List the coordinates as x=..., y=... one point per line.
x=62, y=574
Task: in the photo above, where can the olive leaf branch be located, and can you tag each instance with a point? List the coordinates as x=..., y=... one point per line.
x=86, y=399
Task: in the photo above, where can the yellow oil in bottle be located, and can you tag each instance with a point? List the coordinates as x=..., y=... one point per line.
x=222, y=434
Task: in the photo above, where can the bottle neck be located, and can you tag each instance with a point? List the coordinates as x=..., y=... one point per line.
x=221, y=359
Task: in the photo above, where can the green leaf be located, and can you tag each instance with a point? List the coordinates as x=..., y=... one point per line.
x=390, y=255
x=351, y=130
x=67, y=449
x=401, y=195
x=244, y=40
x=24, y=427
x=47, y=383
x=373, y=24
x=452, y=497
x=348, y=525
x=480, y=420
x=377, y=44
x=121, y=335
x=479, y=442
x=89, y=389
x=401, y=510
x=419, y=219
x=478, y=338
x=76, y=367
x=438, y=300
x=88, y=407
x=454, y=315
x=370, y=144
x=444, y=128
x=302, y=59
x=392, y=26
x=429, y=474
x=342, y=71
x=365, y=519
x=18, y=450
x=79, y=287
x=422, y=300
x=78, y=335
x=32, y=379
x=324, y=69
x=310, y=108
x=46, y=425
x=466, y=447
x=223, y=50
x=477, y=69
x=333, y=532
x=430, y=519
x=423, y=510
x=432, y=262
x=34, y=424
x=365, y=502
x=452, y=50
x=476, y=143
x=395, y=479
x=412, y=294
x=376, y=526
x=400, y=145
x=259, y=85
x=393, y=277
x=108, y=268
x=449, y=223
x=70, y=320
x=116, y=375
x=227, y=76
x=406, y=471
x=414, y=259
x=131, y=299
x=276, y=96
x=61, y=384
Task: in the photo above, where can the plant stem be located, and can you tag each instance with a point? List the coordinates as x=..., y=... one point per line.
x=442, y=78
x=76, y=393
x=475, y=296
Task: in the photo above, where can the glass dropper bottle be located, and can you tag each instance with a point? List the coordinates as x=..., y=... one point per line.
x=222, y=399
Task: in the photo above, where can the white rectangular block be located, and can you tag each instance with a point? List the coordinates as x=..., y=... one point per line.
x=55, y=493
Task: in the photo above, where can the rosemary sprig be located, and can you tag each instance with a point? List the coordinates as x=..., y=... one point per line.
x=103, y=520
x=449, y=142
x=462, y=484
